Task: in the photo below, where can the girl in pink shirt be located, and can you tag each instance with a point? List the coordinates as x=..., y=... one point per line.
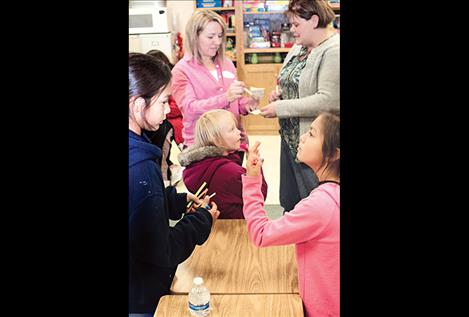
x=205, y=79
x=314, y=223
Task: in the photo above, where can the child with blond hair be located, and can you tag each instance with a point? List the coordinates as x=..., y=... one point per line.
x=215, y=159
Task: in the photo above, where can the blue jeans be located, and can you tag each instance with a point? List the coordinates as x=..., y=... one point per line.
x=297, y=180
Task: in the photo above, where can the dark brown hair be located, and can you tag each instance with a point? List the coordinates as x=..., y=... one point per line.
x=330, y=123
x=148, y=76
x=307, y=8
x=161, y=56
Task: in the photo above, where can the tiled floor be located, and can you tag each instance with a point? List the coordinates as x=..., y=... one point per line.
x=270, y=151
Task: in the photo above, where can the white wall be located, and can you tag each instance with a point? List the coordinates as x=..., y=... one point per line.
x=160, y=3
x=179, y=12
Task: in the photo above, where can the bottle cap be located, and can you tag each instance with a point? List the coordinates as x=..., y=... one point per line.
x=198, y=280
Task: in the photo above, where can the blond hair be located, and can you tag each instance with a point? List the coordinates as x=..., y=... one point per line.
x=196, y=25
x=209, y=126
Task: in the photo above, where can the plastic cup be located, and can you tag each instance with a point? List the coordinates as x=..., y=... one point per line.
x=257, y=93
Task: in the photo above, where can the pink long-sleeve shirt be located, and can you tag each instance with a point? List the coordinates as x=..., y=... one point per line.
x=196, y=91
x=314, y=227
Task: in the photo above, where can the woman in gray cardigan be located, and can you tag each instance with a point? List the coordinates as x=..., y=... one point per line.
x=309, y=83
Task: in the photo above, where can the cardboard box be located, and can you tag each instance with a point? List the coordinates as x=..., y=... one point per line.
x=208, y=3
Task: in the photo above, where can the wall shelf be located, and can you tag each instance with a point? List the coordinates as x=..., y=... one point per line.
x=218, y=8
x=265, y=12
x=267, y=50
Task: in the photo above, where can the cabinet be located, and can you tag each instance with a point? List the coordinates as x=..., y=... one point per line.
x=152, y=41
x=262, y=74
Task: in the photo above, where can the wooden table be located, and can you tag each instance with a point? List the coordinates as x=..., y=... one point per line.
x=230, y=264
x=246, y=305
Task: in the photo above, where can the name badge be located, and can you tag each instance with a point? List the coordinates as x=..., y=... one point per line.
x=228, y=74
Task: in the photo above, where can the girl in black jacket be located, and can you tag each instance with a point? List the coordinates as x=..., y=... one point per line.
x=155, y=248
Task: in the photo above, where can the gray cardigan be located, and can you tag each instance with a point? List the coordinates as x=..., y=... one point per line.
x=319, y=86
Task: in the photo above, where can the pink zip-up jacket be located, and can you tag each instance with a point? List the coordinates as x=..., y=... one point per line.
x=196, y=91
x=314, y=227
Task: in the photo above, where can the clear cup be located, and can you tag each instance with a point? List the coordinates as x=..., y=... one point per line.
x=257, y=93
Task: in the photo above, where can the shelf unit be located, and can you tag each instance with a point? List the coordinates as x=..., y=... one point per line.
x=217, y=8
x=258, y=75
x=263, y=12
x=266, y=50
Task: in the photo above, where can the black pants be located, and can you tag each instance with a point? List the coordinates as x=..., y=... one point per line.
x=297, y=180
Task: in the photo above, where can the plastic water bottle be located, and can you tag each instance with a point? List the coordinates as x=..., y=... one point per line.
x=199, y=298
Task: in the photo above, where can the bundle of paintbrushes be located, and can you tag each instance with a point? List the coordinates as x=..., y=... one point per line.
x=200, y=193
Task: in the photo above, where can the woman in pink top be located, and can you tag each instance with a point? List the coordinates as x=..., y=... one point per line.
x=313, y=225
x=205, y=79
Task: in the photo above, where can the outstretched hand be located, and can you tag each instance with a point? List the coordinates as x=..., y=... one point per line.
x=274, y=95
x=253, y=104
x=254, y=161
x=269, y=111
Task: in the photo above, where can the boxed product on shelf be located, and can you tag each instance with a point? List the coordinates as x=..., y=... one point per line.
x=335, y=4
x=258, y=42
x=258, y=36
x=255, y=31
x=254, y=6
x=208, y=3
x=264, y=24
x=276, y=6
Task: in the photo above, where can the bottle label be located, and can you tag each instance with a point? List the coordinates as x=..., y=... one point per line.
x=199, y=307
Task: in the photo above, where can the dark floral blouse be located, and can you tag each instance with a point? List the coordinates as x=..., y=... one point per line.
x=289, y=78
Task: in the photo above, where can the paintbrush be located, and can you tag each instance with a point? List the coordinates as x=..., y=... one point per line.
x=197, y=193
x=248, y=91
x=208, y=205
